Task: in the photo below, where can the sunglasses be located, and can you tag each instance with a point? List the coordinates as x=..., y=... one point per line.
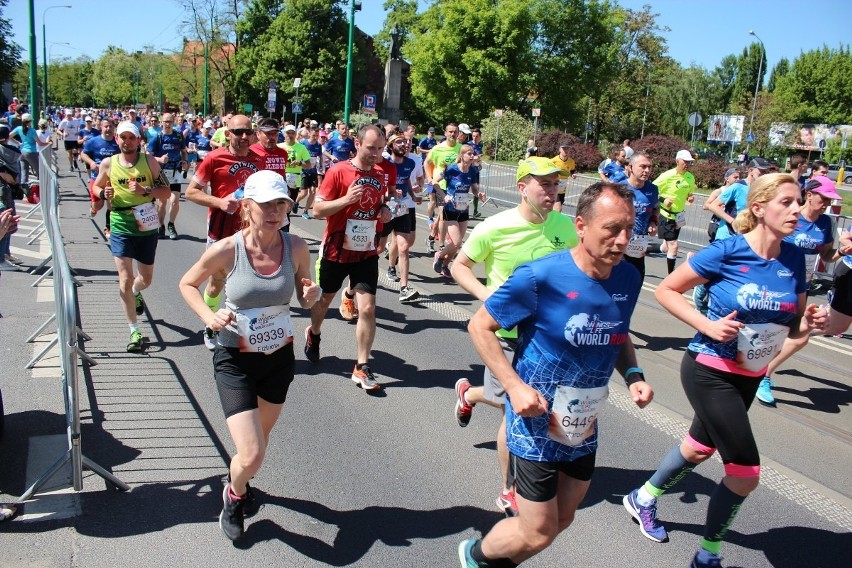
x=241, y=131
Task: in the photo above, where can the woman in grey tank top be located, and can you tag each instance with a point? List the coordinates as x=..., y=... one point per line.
x=253, y=361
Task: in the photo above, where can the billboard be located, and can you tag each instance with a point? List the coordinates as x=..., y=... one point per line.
x=725, y=128
x=805, y=136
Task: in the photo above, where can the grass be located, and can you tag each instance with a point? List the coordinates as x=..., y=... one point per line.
x=846, y=207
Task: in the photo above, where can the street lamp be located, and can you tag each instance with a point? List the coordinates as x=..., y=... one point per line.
x=44, y=48
x=756, y=88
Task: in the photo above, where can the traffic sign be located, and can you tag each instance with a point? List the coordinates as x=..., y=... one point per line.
x=369, y=103
x=498, y=113
x=821, y=144
x=271, y=96
x=590, y=127
x=536, y=112
x=248, y=107
x=297, y=108
x=273, y=85
x=270, y=106
x=296, y=99
x=694, y=119
x=750, y=138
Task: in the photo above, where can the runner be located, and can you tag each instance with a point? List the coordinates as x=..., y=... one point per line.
x=441, y=156
x=504, y=242
x=310, y=176
x=732, y=175
x=646, y=203
x=564, y=162
x=573, y=310
x=462, y=182
x=757, y=295
x=95, y=150
x=840, y=316
x=298, y=159
x=130, y=181
x=169, y=147
x=272, y=157
x=813, y=235
x=351, y=199
x=401, y=204
x=341, y=147
x=677, y=187
x=253, y=363
x=224, y=171
x=68, y=129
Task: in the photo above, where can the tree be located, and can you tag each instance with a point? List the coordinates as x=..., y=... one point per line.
x=818, y=87
x=115, y=76
x=469, y=57
x=10, y=52
x=71, y=82
x=401, y=14
x=749, y=63
x=506, y=138
x=780, y=70
x=304, y=38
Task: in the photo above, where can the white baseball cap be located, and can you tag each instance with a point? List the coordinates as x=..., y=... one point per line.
x=127, y=127
x=208, y=124
x=289, y=128
x=265, y=186
x=685, y=156
x=464, y=128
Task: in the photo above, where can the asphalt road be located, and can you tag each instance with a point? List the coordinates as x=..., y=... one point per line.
x=354, y=479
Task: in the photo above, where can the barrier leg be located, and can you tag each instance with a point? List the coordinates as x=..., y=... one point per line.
x=45, y=477
x=47, y=273
x=42, y=353
x=34, y=229
x=37, y=332
x=37, y=237
x=83, y=334
x=32, y=212
x=107, y=476
x=85, y=356
x=42, y=264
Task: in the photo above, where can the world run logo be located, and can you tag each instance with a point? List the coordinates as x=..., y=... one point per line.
x=585, y=329
x=754, y=297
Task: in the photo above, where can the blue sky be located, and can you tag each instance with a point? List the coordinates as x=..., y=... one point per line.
x=702, y=32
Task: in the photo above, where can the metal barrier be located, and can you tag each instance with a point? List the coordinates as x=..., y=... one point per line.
x=67, y=338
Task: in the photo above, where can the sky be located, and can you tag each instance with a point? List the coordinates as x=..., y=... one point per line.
x=701, y=31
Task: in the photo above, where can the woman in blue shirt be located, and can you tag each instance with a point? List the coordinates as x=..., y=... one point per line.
x=813, y=235
x=26, y=135
x=462, y=184
x=757, y=289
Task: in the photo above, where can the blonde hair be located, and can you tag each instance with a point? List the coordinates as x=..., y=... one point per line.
x=763, y=190
x=462, y=150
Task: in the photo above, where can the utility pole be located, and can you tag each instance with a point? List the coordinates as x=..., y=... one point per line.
x=353, y=5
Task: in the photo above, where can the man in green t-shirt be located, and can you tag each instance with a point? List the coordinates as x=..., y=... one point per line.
x=298, y=158
x=220, y=139
x=677, y=187
x=504, y=242
x=437, y=160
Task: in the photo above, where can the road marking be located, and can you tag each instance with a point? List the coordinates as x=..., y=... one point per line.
x=56, y=499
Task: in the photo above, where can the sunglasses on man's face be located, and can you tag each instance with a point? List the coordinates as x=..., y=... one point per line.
x=241, y=132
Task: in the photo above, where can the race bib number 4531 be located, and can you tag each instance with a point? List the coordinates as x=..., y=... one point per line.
x=574, y=413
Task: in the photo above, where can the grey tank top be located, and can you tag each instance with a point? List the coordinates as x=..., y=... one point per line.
x=245, y=288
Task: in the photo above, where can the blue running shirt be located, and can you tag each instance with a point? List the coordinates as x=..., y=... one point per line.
x=760, y=290
x=459, y=182
x=98, y=149
x=810, y=236
x=570, y=331
x=645, y=200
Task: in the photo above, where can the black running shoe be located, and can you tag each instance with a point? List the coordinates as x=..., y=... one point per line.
x=232, y=517
x=250, y=504
x=312, y=343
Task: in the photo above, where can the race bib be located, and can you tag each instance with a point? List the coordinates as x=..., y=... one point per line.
x=264, y=330
x=680, y=219
x=314, y=161
x=574, y=412
x=758, y=344
x=811, y=262
x=461, y=200
x=146, y=217
x=360, y=235
x=292, y=180
x=637, y=246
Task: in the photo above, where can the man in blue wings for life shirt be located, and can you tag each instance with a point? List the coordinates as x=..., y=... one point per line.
x=572, y=309
x=169, y=147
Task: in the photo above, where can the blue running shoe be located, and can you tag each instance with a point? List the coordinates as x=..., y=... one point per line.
x=764, y=392
x=465, y=558
x=705, y=559
x=646, y=517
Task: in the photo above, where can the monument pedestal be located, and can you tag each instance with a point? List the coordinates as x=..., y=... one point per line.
x=393, y=87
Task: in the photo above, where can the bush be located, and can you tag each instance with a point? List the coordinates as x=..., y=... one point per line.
x=515, y=131
x=548, y=143
x=586, y=156
x=661, y=150
x=710, y=172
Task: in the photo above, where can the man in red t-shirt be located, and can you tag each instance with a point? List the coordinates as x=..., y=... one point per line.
x=271, y=156
x=224, y=170
x=352, y=199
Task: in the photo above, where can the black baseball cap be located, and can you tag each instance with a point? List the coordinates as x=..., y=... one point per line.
x=267, y=123
x=760, y=163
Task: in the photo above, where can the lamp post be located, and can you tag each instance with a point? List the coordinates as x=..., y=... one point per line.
x=44, y=49
x=756, y=88
x=354, y=6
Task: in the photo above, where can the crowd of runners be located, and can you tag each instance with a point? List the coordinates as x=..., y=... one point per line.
x=557, y=299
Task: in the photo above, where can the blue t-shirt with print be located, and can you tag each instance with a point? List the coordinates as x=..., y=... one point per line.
x=614, y=172
x=459, y=182
x=98, y=149
x=477, y=147
x=734, y=199
x=645, y=200
x=759, y=289
x=315, y=150
x=404, y=170
x=203, y=143
x=427, y=144
x=810, y=236
x=571, y=329
x=340, y=148
x=168, y=145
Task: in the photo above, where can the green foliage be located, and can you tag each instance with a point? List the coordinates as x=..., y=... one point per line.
x=818, y=87
x=510, y=141
x=780, y=70
x=403, y=15
x=71, y=82
x=467, y=57
x=748, y=65
x=114, y=78
x=10, y=52
x=709, y=172
x=294, y=45
x=834, y=153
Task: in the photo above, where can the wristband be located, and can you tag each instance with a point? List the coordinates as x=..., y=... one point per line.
x=634, y=371
x=101, y=195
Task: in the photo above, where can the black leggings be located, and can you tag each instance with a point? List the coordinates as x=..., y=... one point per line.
x=639, y=263
x=721, y=401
